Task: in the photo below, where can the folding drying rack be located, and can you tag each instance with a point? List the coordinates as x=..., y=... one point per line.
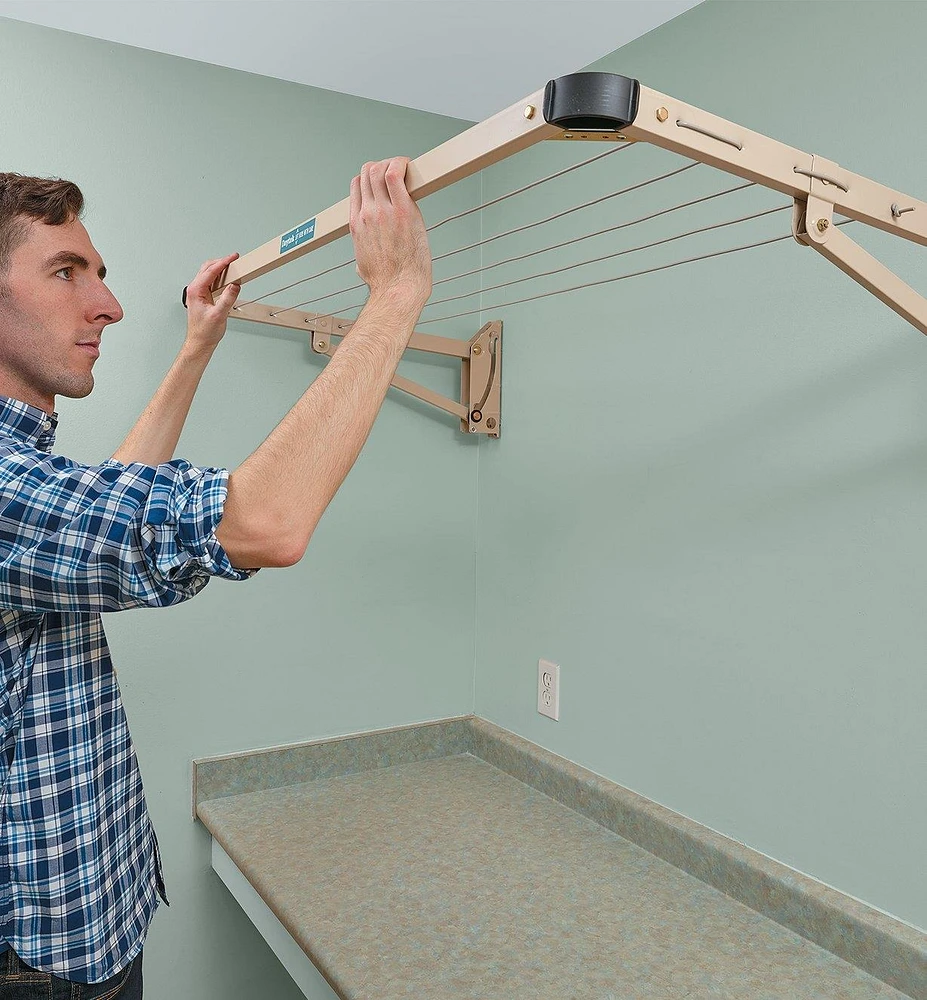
x=602, y=107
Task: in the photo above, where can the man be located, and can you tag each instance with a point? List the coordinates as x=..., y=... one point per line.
x=79, y=867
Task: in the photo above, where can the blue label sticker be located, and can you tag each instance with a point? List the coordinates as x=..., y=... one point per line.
x=295, y=237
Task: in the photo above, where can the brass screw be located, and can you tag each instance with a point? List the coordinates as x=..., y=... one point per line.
x=491, y=423
x=323, y=346
x=529, y=111
x=822, y=225
x=662, y=114
x=477, y=349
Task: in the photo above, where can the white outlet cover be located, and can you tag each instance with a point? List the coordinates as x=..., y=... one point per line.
x=549, y=689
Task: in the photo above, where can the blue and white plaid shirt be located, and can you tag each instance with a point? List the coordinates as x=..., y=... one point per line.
x=79, y=865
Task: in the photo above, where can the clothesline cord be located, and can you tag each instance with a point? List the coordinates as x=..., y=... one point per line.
x=512, y=232
x=451, y=218
x=621, y=277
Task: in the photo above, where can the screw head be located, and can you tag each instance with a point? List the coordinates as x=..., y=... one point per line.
x=477, y=349
x=323, y=346
x=491, y=423
x=530, y=111
x=662, y=114
x=822, y=225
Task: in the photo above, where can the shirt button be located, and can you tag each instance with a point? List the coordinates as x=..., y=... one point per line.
x=47, y=425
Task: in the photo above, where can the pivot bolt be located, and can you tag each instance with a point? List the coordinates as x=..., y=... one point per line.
x=823, y=225
x=323, y=346
x=491, y=423
x=529, y=111
x=662, y=114
x=477, y=349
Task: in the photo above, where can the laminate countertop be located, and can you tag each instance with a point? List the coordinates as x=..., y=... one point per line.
x=450, y=878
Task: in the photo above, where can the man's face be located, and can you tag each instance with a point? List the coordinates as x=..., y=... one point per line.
x=53, y=301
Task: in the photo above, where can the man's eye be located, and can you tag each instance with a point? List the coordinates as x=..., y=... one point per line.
x=65, y=272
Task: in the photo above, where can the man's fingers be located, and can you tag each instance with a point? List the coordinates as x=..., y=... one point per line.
x=228, y=297
x=355, y=201
x=218, y=265
x=208, y=273
x=365, y=188
x=208, y=264
x=378, y=182
x=395, y=179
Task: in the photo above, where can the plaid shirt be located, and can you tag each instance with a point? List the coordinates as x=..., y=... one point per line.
x=79, y=864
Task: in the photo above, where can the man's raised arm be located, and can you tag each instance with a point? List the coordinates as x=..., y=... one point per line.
x=277, y=496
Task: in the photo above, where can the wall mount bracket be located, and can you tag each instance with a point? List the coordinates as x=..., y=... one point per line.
x=480, y=405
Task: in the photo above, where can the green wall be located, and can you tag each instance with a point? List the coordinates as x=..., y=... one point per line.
x=708, y=504
x=180, y=161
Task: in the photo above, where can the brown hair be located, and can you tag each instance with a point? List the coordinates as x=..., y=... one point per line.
x=54, y=202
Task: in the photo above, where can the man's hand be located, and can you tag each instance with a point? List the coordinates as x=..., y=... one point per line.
x=206, y=321
x=154, y=437
x=390, y=241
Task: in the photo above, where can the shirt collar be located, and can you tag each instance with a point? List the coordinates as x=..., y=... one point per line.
x=27, y=423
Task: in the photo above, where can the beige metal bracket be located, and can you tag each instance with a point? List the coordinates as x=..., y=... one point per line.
x=480, y=406
x=813, y=225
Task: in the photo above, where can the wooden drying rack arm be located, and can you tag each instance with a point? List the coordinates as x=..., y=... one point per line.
x=818, y=187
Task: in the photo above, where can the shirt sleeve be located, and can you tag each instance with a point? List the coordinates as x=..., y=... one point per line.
x=108, y=537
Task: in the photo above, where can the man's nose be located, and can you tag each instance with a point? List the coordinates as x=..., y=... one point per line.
x=106, y=306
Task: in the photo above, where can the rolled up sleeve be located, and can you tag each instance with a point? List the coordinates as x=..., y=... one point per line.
x=107, y=537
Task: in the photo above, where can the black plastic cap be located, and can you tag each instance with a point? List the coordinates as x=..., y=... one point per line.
x=597, y=102
x=183, y=298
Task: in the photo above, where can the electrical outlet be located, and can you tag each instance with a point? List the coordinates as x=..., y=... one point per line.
x=549, y=689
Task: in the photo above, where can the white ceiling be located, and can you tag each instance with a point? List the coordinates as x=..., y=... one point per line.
x=463, y=58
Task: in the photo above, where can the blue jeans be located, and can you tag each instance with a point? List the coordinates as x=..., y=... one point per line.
x=19, y=982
